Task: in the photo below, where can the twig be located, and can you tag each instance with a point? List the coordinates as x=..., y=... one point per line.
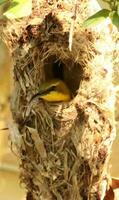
x=72, y=26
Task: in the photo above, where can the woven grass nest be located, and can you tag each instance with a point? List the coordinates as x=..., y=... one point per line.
x=63, y=147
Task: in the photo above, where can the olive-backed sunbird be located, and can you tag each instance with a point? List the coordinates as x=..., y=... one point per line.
x=53, y=91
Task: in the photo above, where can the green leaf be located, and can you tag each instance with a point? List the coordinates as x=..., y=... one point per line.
x=3, y=1
x=118, y=9
x=96, y=18
x=19, y=8
x=115, y=18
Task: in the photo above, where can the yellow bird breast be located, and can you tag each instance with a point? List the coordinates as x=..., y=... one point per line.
x=55, y=96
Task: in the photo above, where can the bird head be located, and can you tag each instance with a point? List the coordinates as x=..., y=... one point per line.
x=53, y=91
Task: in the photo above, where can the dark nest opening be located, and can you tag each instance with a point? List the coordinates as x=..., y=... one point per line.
x=67, y=70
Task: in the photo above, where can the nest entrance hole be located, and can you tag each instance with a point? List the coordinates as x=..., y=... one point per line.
x=67, y=70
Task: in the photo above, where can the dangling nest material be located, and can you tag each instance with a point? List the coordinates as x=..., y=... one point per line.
x=63, y=147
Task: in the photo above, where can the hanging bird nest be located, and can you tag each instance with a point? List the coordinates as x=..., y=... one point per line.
x=63, y=147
